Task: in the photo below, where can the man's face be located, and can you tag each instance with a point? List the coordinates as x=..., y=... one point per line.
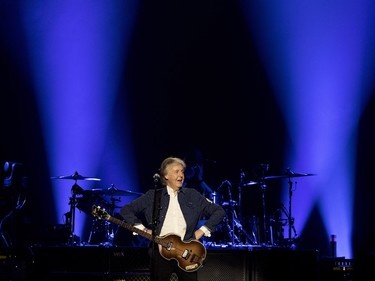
x=175, y=176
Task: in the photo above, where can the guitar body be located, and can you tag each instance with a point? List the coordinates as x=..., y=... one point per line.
x=189, y=255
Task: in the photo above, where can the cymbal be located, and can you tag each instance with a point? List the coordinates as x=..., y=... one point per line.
x=250, y=183
x=75, y=177
x=111, y=192
x=289, y=174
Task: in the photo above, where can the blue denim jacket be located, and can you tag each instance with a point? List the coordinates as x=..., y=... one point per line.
x=194, y=207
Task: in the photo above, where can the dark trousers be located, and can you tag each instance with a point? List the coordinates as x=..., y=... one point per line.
x=162, y=269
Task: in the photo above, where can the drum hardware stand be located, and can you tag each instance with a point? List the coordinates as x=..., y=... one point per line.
x=290, y=174
x=230, y=222
x=265, y=231
x=253, y=238
x=249, y=239
x=263, y=188
x=71, y=215
x=262, y=182
x=289, y=214
x=230, y=229
x=76, y=189
x=242, y=181
x=254, y=230
x=236, y=222
x=287, y=221
x=110, y=235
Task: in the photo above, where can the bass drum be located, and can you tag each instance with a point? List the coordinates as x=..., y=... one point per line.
x=86, y=202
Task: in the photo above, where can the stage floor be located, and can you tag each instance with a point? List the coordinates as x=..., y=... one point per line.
x=96, y=262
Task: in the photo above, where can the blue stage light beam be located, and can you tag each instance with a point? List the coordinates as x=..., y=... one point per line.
x=77, y=51
x=316, y=55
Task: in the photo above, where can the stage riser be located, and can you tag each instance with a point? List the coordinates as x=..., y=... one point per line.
x=132, y=264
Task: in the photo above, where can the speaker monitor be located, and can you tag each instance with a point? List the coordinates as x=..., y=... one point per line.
x=284, y=264
x=225, y=265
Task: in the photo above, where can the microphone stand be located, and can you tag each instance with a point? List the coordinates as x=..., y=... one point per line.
x=154, y=223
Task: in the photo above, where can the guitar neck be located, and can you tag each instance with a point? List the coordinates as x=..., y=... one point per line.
x=144, y=234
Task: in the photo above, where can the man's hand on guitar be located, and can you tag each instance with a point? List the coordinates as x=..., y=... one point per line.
x=199, y=234
x=143, y=228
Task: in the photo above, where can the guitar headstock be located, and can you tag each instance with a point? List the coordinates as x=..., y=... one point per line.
x=100, y=213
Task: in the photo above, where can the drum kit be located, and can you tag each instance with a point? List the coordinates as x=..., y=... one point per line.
x=235, y=231
x=101, y=232
x=257, y=230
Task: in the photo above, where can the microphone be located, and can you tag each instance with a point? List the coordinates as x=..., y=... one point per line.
x=156, y=177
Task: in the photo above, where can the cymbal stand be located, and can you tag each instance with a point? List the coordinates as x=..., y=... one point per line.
x=290, y=217
x=242, y=181
x=110, y=231
x=235, y=221
x=71, y=214
x=252, y=238
x=230, y=230
x=263, y=188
